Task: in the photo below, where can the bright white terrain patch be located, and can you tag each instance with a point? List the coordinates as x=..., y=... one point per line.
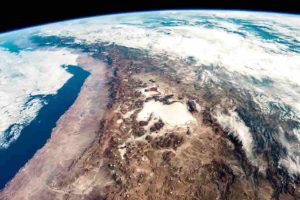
x=175, y=114
x=25, y=75
x=246, y=46
x=251, y=58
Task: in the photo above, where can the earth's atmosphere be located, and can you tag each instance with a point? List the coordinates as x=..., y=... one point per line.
x=187, y=104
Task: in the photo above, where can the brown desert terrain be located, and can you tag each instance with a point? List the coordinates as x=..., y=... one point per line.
x=138, y=132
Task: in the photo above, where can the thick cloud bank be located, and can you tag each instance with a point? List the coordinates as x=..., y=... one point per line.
x=258, y=52
x=23, y=76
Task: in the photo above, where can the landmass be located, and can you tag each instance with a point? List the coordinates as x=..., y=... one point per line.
x=140, y=130
x=75, y=132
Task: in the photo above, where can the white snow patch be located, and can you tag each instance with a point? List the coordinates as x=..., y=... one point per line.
x=128, y=114
x=122, y=151
x=147, y=92
x=175, y=114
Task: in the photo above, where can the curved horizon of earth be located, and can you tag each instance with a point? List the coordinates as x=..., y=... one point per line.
x=237, y=70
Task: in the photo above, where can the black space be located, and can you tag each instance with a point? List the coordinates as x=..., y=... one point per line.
x=21, y=14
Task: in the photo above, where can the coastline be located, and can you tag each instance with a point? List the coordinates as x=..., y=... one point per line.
x=120, y=153
x=68, y=140
x=35, y=135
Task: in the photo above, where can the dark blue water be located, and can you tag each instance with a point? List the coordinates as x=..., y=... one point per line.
x=35, y=135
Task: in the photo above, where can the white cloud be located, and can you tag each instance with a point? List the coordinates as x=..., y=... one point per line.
x=22, y=75
x=292, y=160
x=249, y=55
x=235, y=126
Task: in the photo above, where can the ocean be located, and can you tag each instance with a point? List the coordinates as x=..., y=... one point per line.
x=35, y=135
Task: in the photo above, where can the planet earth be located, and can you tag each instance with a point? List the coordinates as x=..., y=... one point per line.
x=175, y=104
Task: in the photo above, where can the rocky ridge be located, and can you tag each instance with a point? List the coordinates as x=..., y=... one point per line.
x=158, y=139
